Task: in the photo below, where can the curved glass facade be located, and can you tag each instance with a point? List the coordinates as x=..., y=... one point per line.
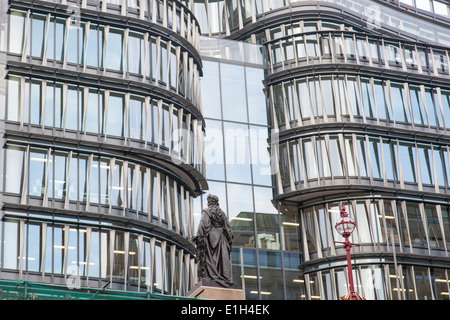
x=118, y=116
x=358, y=97
x=102, y=144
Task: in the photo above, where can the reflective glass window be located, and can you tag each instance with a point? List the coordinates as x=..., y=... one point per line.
x=11, y=251
x=423, y=4
x=271, y=280
x=237, y=152
x=114, y=51
x=416, y=228
x=71, y=114
x=441, y=165
x=58, y=249
x=309, y=159
x=135, y=52
x=37, y=172
x=445, y=98
x=213, y=150
x=323, y=154
x=354, y=96
x=303, y=97
x=137, y=117
x=16, y=31
x=35, y=112
x=157, y=273
x=375, y=158
x=441, y=8
x=83, y=178
x=336, y=160
x=37, y=35
x=242, y=199
x=362, y=157
x=256, y=96
x=118, y=271
x=400, y=103
x=49, y=249
x=13, y=98
x=75, y=42
x=60, y=175
x=94, y=255
x=426, y=164
x=350, y=156
x=234, y=102
x=390, y=159
x=94, y=104
x=116, y=112
x=417, y=105
x=95, y=46
x=407, y=154
x=434, y=230
x=422, y=281
x=368, y=100
x=328, y=94
x=210, y=87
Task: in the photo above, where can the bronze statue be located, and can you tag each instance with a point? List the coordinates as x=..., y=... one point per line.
x=213, y=246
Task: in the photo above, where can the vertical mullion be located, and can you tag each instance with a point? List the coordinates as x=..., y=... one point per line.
x=43, y=249
x=137, y=180
x=144, y=57
x=85, y=108
x=88, y=251
x=24, y=193
x=43, y=103
x=64, y=106
x=47, y=26
x=25, y=36
x=87, y=27
x=46, y=182
x=88, y=188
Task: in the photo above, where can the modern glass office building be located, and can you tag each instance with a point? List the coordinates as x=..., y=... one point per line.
x=101, y=144
x=358, y=100
x=120, y=116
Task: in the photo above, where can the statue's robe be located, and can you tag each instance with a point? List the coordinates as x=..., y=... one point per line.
x=217, y=235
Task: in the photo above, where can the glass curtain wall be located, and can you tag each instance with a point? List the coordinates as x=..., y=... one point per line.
x=239, y=173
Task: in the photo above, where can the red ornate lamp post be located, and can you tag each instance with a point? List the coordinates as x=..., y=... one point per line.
x=345, y=226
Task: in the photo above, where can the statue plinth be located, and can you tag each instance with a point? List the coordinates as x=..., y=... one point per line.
x=208, y=290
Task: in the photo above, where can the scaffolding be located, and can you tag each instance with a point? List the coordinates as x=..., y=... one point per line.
x=25, y=290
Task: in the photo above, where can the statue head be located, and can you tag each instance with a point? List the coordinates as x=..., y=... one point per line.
x=212, y=200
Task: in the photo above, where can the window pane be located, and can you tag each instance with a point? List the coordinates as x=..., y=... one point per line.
x=16, y=31
x=95, y=100
x=71, y=116
x=14, y=160
x=233, y=92
x=213, y=150
x=210, y=88
x=115, y=125
x=237, y=154
x=137, y=113
x=408, y=162
x=35, y=102
x=33, y=257
x=37, y=35
x=256, y=96
x=114, y=52
x=13, y=99
x=11, y=245
x=37, y=172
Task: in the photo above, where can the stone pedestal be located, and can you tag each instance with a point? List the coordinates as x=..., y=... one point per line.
x=208, y=292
